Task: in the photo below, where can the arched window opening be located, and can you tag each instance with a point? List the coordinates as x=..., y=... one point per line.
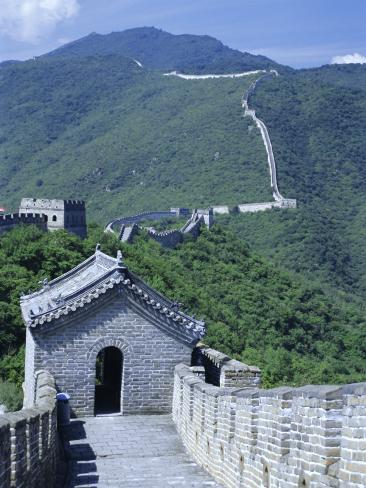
x=108, y=381
x=303, y=483
x=266, y=477
x=54, y=218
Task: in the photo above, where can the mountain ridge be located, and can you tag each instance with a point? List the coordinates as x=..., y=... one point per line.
x=158, y=49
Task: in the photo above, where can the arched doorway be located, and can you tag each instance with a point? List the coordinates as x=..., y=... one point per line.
x=108, y=381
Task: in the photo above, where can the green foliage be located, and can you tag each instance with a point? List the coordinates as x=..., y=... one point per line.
x=254, y=311
x=125, y=139
x=157, y=49
x=317, y=121
x=11, y=396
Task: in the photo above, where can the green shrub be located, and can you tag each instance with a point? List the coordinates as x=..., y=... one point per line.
x=11, y=396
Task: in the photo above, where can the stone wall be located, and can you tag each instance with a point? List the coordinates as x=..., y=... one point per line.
x=169, y=238
x=310, y=437
x=258, y=207
x=70, y=352
x=60, y=214
x=221, y=370
x=28, y=441
x=9, y=221
x=135, y=219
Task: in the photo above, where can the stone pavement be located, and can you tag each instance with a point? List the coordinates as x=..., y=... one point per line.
x=141, y=451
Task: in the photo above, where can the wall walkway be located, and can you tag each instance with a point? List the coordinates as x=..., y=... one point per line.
x=139, y=451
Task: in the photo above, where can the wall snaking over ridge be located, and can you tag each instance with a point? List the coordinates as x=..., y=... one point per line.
x=309, y=437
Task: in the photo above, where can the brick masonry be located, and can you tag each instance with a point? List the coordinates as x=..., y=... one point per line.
x=69, y=353
x=310, y=437
x=28, y=441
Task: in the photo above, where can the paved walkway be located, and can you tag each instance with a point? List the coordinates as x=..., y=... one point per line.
x=141, y=451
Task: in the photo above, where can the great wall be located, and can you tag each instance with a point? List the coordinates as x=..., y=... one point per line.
x=172, y=238
x=70, y=214
x=239, y=435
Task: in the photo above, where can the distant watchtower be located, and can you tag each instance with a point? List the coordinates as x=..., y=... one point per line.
x=60, y=214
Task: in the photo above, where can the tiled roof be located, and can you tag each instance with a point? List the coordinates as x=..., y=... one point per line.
x=95, y=277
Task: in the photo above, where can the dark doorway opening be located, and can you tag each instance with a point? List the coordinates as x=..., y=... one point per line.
x=108, y=380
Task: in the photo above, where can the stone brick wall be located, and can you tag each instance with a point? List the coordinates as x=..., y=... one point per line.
x=9, y=221
x=28, y=441
x=170, y=238
x=149, y=355
x=60, y=214
x=310, y=437
x=221, y=370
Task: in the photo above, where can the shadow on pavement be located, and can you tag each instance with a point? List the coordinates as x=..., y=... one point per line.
x=79, y=455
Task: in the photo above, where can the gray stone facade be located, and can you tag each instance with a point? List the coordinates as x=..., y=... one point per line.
x=100, y=304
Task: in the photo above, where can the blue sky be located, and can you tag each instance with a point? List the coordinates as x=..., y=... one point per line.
x=300, y=33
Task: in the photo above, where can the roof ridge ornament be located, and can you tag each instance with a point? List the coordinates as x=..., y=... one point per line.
x=44, y=283
x=119, y=258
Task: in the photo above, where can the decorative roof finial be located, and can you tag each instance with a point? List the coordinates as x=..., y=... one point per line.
x=44, y=283
x=119, y=258
x=97, y=247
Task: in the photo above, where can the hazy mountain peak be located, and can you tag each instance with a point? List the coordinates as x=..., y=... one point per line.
x=157, y=49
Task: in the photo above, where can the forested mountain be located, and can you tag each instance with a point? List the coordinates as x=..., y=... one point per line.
x=253, y=310
x=124, y=138
x=317, y=122
x=161, y=50
x=86, y=121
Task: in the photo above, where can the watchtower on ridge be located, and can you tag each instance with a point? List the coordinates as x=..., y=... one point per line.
x=60, y=214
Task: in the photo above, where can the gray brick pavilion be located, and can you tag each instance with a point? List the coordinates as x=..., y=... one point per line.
x=110, y=341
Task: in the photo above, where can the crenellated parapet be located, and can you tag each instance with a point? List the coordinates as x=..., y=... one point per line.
x=309, y=437
x=222, y=370
x=28, y=440
x=59, y=214
x=128, y=226
x=9, y=221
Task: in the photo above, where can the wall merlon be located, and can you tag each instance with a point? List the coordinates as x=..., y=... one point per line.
x=28, y=442
x=314, y=434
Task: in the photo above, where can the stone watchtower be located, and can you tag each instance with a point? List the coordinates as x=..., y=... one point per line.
x=109, y=340
x=60, y=214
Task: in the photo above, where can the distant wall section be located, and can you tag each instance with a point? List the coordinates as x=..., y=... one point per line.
x=9, y=221
x=60, y=214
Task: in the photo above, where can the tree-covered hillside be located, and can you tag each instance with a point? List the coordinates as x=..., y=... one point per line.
x=125, y=139
x=253, y=310
x=161, y=50
x=317, y=122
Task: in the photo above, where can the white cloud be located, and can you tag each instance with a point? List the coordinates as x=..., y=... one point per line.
x=349, y=59
x=30, y=20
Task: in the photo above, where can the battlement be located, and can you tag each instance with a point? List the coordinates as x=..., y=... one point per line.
x=128, y=226
x=28, y=440
x=51, y=204
x=9, y=221
x=305, y=437
x=59, y=214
